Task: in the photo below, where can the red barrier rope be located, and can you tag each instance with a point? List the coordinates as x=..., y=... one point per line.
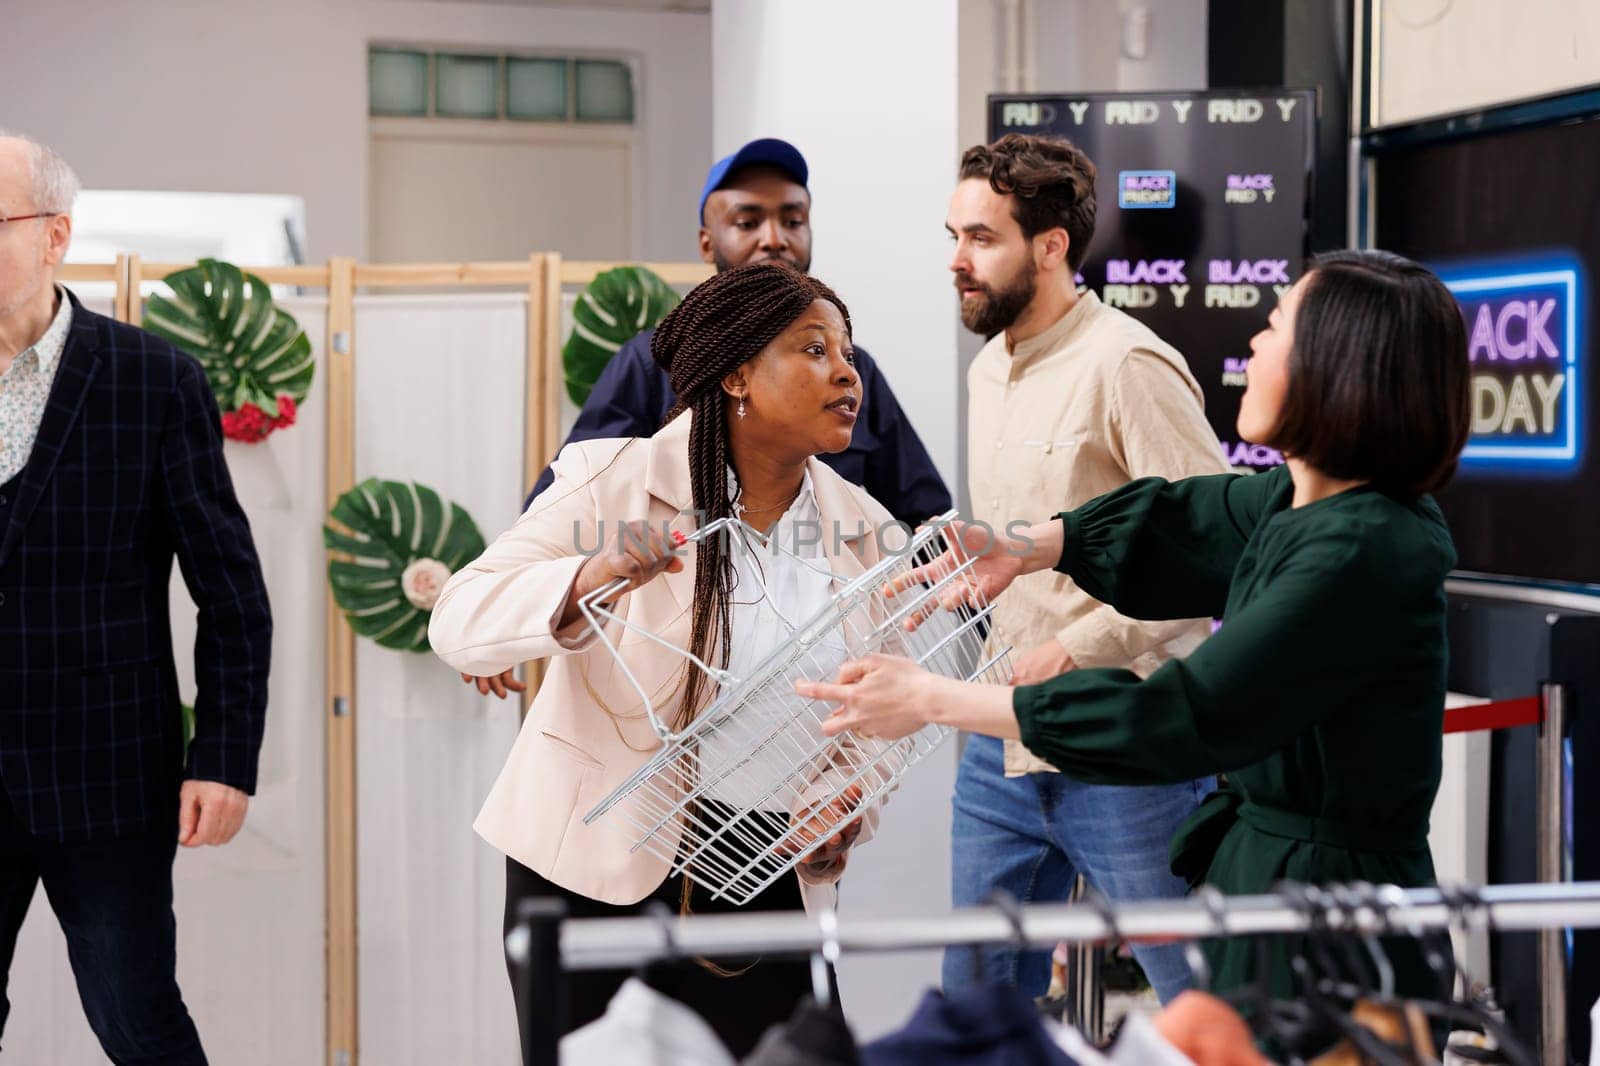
x=1501, y=714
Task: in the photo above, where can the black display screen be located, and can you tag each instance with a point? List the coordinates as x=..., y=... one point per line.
x=1511, y=221
x=1202, y=219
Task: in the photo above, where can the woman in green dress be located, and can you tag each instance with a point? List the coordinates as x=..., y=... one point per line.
x=1321, y=698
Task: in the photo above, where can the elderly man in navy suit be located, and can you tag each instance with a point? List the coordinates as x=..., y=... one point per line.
x=110, y=467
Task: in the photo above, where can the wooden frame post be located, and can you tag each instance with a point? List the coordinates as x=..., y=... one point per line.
x=119, y=301
x=552, y=368
x=542, y=417
x=135, y=296
x=342, y=1014
x=536, y=374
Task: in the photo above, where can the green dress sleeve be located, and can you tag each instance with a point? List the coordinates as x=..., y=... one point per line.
x=1156, y=549
x=1275, y=668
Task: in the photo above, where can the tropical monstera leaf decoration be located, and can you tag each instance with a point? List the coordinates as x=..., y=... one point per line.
x=254, y=354
x=617, y=304
x=399, y=542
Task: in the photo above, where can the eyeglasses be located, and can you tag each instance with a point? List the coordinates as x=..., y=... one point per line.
x=24, y=218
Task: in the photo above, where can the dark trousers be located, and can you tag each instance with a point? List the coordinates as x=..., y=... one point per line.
x=113, y=899
x=738, y=1008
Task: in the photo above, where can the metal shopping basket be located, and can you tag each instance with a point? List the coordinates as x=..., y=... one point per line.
x=739, y=796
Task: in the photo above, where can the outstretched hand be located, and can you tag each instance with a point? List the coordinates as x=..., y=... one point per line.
x=879, y=697
x=977, y=566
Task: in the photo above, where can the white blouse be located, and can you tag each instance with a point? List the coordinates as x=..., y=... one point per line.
x=761, y=619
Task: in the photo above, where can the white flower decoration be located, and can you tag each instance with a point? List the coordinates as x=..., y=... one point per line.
x=422, y=582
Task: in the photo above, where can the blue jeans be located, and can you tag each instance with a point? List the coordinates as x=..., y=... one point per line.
x=113, y=899
x=1031, y=836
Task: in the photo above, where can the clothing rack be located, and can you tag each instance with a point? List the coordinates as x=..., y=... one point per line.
x=555, y=945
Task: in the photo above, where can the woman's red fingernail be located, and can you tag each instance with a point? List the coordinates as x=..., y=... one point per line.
x=678, y=538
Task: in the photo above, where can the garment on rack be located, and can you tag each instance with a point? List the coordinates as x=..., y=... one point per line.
x=1141, y=1044
x=1473, y=1049
x=1594, y=1035
x=1405, y=1029
x=1207, y=1030
x=815, y=1036
x=980, y=1025
x=642, y=1027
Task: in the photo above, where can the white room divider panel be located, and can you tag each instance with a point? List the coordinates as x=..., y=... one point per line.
x=250, y=915
x=440, y=400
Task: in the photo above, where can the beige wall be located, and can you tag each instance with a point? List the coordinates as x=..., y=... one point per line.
x=231, y=96
x=463, y=190
x=1434, y=58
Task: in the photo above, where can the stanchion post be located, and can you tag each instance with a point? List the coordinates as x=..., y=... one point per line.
x=1551, y=805
x=1086, y=991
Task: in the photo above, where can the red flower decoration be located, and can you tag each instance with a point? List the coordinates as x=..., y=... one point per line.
x=251, y=425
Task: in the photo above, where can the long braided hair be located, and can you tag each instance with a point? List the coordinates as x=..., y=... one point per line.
x=721, y=325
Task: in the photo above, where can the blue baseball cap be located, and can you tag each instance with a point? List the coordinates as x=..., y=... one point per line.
x=768, y=150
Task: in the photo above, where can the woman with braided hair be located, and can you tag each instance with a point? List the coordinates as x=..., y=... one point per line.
x=760, y=358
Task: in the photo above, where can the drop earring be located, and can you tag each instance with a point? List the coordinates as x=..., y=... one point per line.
x=741, y=407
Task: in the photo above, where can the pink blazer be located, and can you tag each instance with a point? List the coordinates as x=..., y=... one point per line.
x=587, y=730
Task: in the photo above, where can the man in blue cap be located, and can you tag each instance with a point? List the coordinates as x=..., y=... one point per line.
x=755, y=206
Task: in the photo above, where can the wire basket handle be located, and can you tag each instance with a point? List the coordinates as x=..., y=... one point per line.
x=596, y=608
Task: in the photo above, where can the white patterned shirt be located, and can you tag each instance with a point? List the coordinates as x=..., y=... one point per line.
x=24, y=389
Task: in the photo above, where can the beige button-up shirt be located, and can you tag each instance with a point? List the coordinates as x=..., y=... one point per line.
x=1091, y=403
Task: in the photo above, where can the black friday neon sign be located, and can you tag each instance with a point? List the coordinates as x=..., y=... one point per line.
x=1525, y=346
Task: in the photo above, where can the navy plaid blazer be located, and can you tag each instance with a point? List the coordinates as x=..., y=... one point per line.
x=126, y=474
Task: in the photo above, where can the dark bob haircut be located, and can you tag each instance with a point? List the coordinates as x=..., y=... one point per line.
x=1379, y=383
x=1050, y=182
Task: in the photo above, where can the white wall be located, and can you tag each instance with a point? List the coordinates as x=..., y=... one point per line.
x=877, y=124
x=1079, y=45
x=231, y=96
x=1433, y=57
x=868, y=93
